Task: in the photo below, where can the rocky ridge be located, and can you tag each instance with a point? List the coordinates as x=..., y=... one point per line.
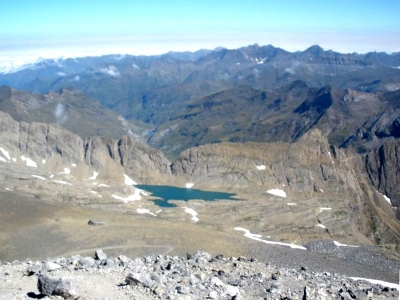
x=54, y=148
x=198, y=276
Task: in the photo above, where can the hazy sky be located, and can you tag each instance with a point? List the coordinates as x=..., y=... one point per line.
x=86, y=27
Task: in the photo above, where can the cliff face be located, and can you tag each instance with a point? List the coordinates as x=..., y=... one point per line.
x=308, y=167
x=52, y=148
x=383, y=167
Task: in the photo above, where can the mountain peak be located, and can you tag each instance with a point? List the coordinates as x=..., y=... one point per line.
x=315, y=49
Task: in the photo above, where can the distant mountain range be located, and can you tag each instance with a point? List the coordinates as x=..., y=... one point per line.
x=168, y=89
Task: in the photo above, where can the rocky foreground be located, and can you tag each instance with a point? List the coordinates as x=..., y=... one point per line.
x=200, y=276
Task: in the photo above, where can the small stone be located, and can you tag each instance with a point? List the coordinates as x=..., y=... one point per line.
x=231, y=291
x=95, y=223
x=32, y=270
x=124, y=260
x=159, y=290
x=213, y=295
x=182, y=289
x=274, y=276
x=50, y=266
x=100, y=255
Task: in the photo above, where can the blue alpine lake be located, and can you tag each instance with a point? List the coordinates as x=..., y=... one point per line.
x=166, y=192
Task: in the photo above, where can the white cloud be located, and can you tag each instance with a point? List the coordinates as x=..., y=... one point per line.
x=59, y=113
x=76, y=78
x=111, y=70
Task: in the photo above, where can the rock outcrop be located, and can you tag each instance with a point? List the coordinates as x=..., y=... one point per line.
x=383, y=167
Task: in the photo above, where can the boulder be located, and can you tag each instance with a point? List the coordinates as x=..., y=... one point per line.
x=63, y=287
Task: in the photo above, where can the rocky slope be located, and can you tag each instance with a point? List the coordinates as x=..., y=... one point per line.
x=67, y=107
x=198, y=276
x=308, y=170
x=241, y=114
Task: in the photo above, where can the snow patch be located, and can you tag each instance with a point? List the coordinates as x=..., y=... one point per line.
x=145, y=211
x=2, y=159
x=62, y=182
x=322, y=226
x=14, y=159
x=95, y=193
x=43, y=161
x=5, y=153
x=66, y=171
x=387, y=199
x=193, y=213
x=277, y=192
x=382, y=283
x=129, y=181
x=102, y=185
x=257, y=237
x=291, y=203
x=29, y=162
x=260, y=61
x=133, y=197
x=74, y=165
x=40, y=177
x=94, y=176
x=321, y=209
x=262, y=167
x=8, y=189
x=330, y=156
x=189, y=185
x=343, y=245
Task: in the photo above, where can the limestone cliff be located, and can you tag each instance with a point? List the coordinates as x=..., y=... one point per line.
x=53, y=148
x=383, y=167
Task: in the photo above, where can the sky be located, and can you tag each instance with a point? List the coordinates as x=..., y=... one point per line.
x=49, y=29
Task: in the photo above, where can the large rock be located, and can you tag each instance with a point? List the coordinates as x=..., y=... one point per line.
x=64, y=287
